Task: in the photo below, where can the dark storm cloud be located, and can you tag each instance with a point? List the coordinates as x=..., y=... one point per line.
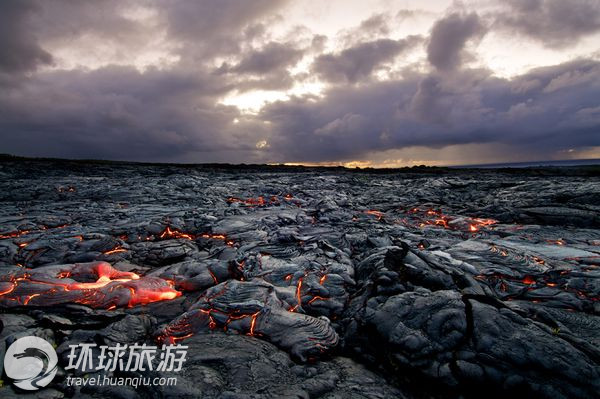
x=272, y=57
x=69, y=19
x=212, y=27
x=360, y=61
x=555, y=23
x=19, y=47
x=265, y=68
x=118, y=112
x=427, y=104
x=449, y=36
x=558, y=111
x=173, y=113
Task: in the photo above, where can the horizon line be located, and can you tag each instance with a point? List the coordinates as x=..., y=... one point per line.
x=332, y=165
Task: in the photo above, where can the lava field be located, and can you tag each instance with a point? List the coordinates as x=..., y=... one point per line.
x=310, y=283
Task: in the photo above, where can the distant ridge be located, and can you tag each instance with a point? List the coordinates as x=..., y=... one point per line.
x=530, y=164
x=578, y=167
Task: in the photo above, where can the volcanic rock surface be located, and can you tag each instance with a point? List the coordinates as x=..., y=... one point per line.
x=288, y=282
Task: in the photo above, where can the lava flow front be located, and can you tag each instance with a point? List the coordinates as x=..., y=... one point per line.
x=96, y=284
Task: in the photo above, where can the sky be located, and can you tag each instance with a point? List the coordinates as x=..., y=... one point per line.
x=378, y=83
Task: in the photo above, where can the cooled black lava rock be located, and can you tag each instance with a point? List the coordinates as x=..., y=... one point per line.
x=253, y=307
x=310, y=283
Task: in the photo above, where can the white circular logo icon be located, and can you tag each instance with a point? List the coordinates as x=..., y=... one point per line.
x=31, y=363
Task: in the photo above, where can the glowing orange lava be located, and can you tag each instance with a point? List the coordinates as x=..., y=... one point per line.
x=259, y=201
x=317, y=298
x=63, y=274
x=253, y=323
x=379, y=215
x=214, y=236
x=173, y=233
x=528, y=280
x=107, y=291
x=145, y=296
x=170, y=232
x=299, y=292
x=115, y=250
x=538, y=260
x=262, y=201
x=433, y=217
x=14, y=234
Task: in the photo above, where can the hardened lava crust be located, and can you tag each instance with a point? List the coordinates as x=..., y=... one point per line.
x=310, y=283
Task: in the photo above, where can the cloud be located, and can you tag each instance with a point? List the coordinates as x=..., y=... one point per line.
x=349, y=124
x=449, y=35
x=172, y=115
x=264, y=68
x=375, y=25
x=96, y=34
x=19, y=48
x=271, y=57
x=211, y=27
x=113, y=21
x=121, y=113
x=555, y=23
x=360, y=61
x=110, y=107
x=438, y=110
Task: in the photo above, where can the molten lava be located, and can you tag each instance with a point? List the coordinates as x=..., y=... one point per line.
x=261, y=201
x=14, y=234
x=299, y=292
x=173, y=233
x=432, y=217
x=115, y=250
x=379, y=215
x=304, y=295
x=512, y=287
x=53, y=285
x=528, y=280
